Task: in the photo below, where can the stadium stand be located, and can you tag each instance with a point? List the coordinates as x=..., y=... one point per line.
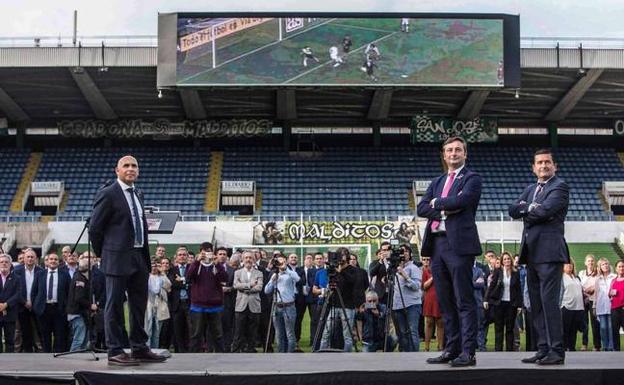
x=172, y=178
x=13, y=163
x=346, y=181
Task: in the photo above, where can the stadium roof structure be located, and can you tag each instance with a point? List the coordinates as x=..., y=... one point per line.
x=40, y=86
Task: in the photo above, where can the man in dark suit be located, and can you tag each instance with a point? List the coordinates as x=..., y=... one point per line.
x=50, y=289
x=543, y=207
x=26, y=316
x=229, y=300
x=179, y=300
x=118, y=231
x=452, y=241
x=10, y=298
x=305, y=298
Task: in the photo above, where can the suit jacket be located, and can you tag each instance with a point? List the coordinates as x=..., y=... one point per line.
x=460, y=206
x=494, y=292
x=543, y=238
x=40, y=291
x=20, y=271
x=111, y=230
x=176, y=286
x=248, y=294
x=306, y=280
x=229, y=299
x=11, y=295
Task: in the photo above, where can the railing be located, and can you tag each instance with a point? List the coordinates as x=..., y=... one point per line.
x=498, y=217
x=152, y=41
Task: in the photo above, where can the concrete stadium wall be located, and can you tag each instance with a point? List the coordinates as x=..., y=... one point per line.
x=237, y=233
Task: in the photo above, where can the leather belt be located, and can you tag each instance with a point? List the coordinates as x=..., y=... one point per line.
x=284, y=304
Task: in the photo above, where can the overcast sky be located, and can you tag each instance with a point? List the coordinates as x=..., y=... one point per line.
x=538, y=18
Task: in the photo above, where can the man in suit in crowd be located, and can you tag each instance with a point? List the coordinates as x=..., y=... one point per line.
x=304, y=298
x=50, y=289
x=377, y=270
x=452, y=241
x=27, y=272
x=229, y=300
x=248, y=283
x=543, y=207
x=10, y=299
x=180, y=300
x=118, y=232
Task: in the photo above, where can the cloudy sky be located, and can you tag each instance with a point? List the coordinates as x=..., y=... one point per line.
x=538, y=18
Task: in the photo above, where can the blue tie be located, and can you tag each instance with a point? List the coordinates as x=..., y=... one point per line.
x=138, y=236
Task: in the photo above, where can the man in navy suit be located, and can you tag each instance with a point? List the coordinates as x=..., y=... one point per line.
x=452, y=241
x=50, y=289
x=543, y=207
x=118, y=232
x=305, y=298
x=10, y=298
x=26, y=316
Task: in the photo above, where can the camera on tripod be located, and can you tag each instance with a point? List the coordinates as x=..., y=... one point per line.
x=333, y=261
x=397, y=254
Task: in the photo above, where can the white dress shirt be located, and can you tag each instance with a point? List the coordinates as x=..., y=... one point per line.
x=54, y=286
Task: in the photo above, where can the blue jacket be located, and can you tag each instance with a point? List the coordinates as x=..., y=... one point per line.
x=460, y=206
x=11, y=295
x=20, y=272
x=543, y=238
x=111, y=230
x=40, y=291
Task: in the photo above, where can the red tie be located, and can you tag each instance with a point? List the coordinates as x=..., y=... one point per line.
x=447, y=187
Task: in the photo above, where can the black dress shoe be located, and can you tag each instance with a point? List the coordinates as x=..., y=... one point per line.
x=533, y=359
x=464, y=360
x=122, y=359
x=551, y=359
x=444, y=358
x=148, y=356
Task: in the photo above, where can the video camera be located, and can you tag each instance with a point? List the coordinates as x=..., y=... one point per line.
x=333, y=261
x=396, y=256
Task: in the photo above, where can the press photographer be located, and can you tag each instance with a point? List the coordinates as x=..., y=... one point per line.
x=407, y=297
x=282, y=287
x=371, y=324
x=341, y=305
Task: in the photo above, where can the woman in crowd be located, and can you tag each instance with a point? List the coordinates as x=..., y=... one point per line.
x=157, y=308
x=572, y=306
x=431, y=308
x=616, y=294
x=602, y=306
x=505, y=295
x=588, y=278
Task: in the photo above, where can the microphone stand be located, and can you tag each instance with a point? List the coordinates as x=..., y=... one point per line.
x=90, y=322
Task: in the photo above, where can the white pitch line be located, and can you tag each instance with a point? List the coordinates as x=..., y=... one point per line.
x=324, y=64
x=259, y=49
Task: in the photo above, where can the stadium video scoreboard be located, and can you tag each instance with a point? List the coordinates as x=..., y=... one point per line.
x=424, y=50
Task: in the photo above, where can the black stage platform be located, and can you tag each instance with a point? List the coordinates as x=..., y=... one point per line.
x=583, y=368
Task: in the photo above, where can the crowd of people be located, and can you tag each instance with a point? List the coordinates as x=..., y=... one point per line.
x=216, y=300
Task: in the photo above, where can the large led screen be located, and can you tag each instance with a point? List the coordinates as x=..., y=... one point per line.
x=339, y=51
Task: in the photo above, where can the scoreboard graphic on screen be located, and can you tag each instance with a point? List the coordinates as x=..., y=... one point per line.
x=339, y=51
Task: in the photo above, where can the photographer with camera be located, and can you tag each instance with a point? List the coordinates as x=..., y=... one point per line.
x=344, y=281
x=371, y=321
x=407, y=298
x=282, y=286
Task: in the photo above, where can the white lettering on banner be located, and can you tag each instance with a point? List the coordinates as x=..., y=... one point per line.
x=44, y=187
x=228, y=27
x=619, y=127
x=338, y=231
x=237, y=186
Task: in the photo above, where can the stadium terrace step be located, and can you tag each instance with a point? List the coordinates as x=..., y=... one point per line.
x=211, y=201
x=29, y=175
